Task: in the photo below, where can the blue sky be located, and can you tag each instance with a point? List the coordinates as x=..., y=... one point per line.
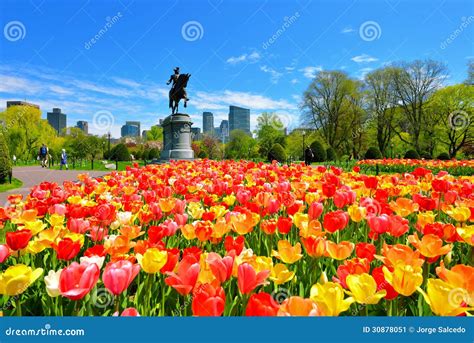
x=108, y=61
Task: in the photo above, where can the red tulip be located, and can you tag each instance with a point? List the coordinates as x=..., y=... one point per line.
x=208, y=301
x=77, y=280
x=261, y=304
x=118, y=275
x=67, y=249
x=365, y=250
x=334, y=221
x=315, y=210
x=4, y=252
x=173, y=257
x=234, y=244
x=19, y=239
x=185, y=279
x=220, y=267
x=284, y=225
x=379, y=224
x=130, y=312
x=398, y=226
x=96, y=250
x=248, y=279
x=379, y=277
x=328, y=189
x=371, y=182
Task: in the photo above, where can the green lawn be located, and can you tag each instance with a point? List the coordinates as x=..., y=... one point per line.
x=7, y=186
x=98, y=165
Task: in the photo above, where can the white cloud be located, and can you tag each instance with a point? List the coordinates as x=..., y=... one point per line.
x=275, y=75
x=364, y=58
x=310, y=71
x=347, y=30
x=362, y=72
x=294, y=81
x=251, y=58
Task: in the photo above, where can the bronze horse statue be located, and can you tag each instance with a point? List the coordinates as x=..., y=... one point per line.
x=178, y=92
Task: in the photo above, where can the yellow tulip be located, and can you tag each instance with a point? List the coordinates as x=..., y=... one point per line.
x=301, y=220
x=16, y=279
x=229, y=200
x=467, y=234
x=356, y=213
x=35, y=226
x=189, y=231
x=219, y=211
x=280, y=274
x=364, y=289
x=329, y=297
x=56, y=220
x=288, y=253
x=460, y=214
x=153, y=260
x=195, y=210
x=425, y=218
x=404, y=279
x=444, y=299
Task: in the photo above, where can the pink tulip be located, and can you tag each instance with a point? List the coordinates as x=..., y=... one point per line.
x=119, y=275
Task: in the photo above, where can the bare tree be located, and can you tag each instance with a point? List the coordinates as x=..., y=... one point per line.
x=381, y=104
x=414, y=84
x=328, y=102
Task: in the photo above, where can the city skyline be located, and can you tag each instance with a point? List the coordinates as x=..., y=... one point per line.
x=112, y=67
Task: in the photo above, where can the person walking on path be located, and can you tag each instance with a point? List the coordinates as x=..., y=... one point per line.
x=43, y=155
x=63, y=160
x=308, y=156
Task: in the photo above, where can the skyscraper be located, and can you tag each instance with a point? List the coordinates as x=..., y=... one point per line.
x=130, y=131
x=57, y=119
x=83, y=125
x=134, y=123
x=207, y=122
x=224, y=131
x=239, y=119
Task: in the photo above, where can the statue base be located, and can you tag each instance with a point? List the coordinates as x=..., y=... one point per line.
x=177, y=138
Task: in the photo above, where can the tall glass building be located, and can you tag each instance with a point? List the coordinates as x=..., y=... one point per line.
x=239, y=119
x=207, y=122
x=57, y=120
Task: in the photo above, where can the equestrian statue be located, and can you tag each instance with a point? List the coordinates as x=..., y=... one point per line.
x=178, y=89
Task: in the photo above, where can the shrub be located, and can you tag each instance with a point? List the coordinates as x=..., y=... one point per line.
x=202, y=154
x=331, y=154
x=426, y=155
x=443, y=156
x=153, y=153
x=277, y=153
x=413, y=154
x=318, y=151
x=119, y=153
x=5, y=163
x=373, y=153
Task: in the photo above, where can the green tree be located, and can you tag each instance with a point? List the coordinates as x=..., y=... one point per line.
x=240, y=145
x=277, y=153
x=453, y=108
x=155, y=133
x=269, y=132
x=120, y=153
x=5, y=162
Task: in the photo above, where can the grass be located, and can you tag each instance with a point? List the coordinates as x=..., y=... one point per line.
x=98, y=165
x=7, y=186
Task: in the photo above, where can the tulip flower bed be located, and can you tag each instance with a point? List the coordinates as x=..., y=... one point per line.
x=454, y=167
x=230, y=238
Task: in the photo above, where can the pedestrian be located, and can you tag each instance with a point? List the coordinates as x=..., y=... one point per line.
x=308, y=156
x=63, y=160
x=43, y=156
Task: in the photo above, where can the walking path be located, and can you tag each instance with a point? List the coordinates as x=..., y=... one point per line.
x=34, y=175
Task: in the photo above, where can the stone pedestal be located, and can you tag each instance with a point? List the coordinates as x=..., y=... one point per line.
x=177, y=138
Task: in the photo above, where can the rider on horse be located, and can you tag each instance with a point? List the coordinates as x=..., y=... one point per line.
x=174, y=79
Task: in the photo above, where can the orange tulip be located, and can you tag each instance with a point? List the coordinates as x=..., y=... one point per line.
x=404, y=206
x=339, y=251
x=430, y=245
x=315, y=246
x=399, y=253
x=299, y=307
